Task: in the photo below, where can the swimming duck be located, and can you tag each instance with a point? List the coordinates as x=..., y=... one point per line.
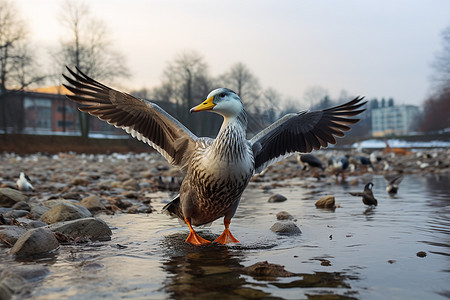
x=217, y=170
x=367, y=195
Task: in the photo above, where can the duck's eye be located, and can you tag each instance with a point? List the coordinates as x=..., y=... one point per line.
x=221, y=95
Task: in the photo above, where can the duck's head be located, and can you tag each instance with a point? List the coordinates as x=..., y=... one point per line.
x=223, y=101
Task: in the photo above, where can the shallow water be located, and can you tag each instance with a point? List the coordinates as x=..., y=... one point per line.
x=351, y=252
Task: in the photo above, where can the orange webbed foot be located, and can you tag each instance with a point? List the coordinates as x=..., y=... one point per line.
x=226, y=237
x=196, y=240
x=193, y=237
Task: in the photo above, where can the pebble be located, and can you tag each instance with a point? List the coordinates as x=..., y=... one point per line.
x=93, y=203
x=92, y=228
x=10, y=234
x=266, y=269
x=65, y=212
x=284, y=215
x=22, y=205
x=326, y=202
x=277, y=198
x=9, y=197
x=35, y=241
x=286, y=228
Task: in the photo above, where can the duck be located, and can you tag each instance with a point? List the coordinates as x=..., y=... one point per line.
x=338, y=165
x=367, y=195
x=393, y=181
x=217, y=169
x=23, y=183
x=312, y=161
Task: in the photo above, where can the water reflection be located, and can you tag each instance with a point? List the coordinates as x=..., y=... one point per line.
x=217, y=271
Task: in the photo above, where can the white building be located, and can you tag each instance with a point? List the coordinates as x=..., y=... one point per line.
x=394, y=120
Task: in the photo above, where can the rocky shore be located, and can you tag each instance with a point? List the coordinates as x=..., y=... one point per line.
x=70, y=192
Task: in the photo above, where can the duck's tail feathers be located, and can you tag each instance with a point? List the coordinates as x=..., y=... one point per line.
x=173, y=208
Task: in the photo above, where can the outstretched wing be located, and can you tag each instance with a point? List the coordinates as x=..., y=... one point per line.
x=143, y=119
x=303, y=132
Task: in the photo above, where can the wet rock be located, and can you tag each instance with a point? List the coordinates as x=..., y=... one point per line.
x=265, y=269
x=30, y=224
x=93, y=228
x=65, y=212
x=130, y=184
x=9, y=197
x=10, y=234
x=421, y=254
x=326, y=202
x=286, y=228
x=71, y=195
x=284, y=215
x=5, y=293
x=16, y=213
x=37, y=211
x=21, y=205
x=34, y=242
x=277, y=198
x=93, y=204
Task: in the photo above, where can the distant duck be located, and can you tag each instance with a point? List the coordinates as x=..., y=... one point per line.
x=367, y=195
x=338, y=165
x=362, y=161
x=393, y=183
x=312, y=161
x=23, y=183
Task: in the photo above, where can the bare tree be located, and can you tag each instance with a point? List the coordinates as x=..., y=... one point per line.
x=186, y=81
x=16, y=60
x=88, y=47
x=441, y=63
x=314, y=94
x=243, y=82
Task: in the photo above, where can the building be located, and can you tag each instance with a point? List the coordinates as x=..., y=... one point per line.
x=394, y=120
x=46, y=111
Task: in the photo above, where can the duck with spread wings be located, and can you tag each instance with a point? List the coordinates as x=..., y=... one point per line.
x=217, y=170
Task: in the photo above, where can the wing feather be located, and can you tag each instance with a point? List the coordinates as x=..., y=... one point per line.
x=142, y=119
x=303, y=132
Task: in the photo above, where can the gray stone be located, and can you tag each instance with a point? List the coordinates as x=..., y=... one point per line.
x=285, y=228
x=35, y=241
x=93, y=228
x=65, y=212
x=22, y=205
x=16, y=213
x=5, y=293
x=30, y=224
x=10, y=234
x=92, y=203
x=9, y=197
x=277, y=198
x=37, y=211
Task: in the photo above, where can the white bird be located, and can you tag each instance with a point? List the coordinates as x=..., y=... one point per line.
x=218, y=170
x=23, y=183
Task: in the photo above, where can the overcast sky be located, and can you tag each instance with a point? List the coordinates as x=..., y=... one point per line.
x=376, y=48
